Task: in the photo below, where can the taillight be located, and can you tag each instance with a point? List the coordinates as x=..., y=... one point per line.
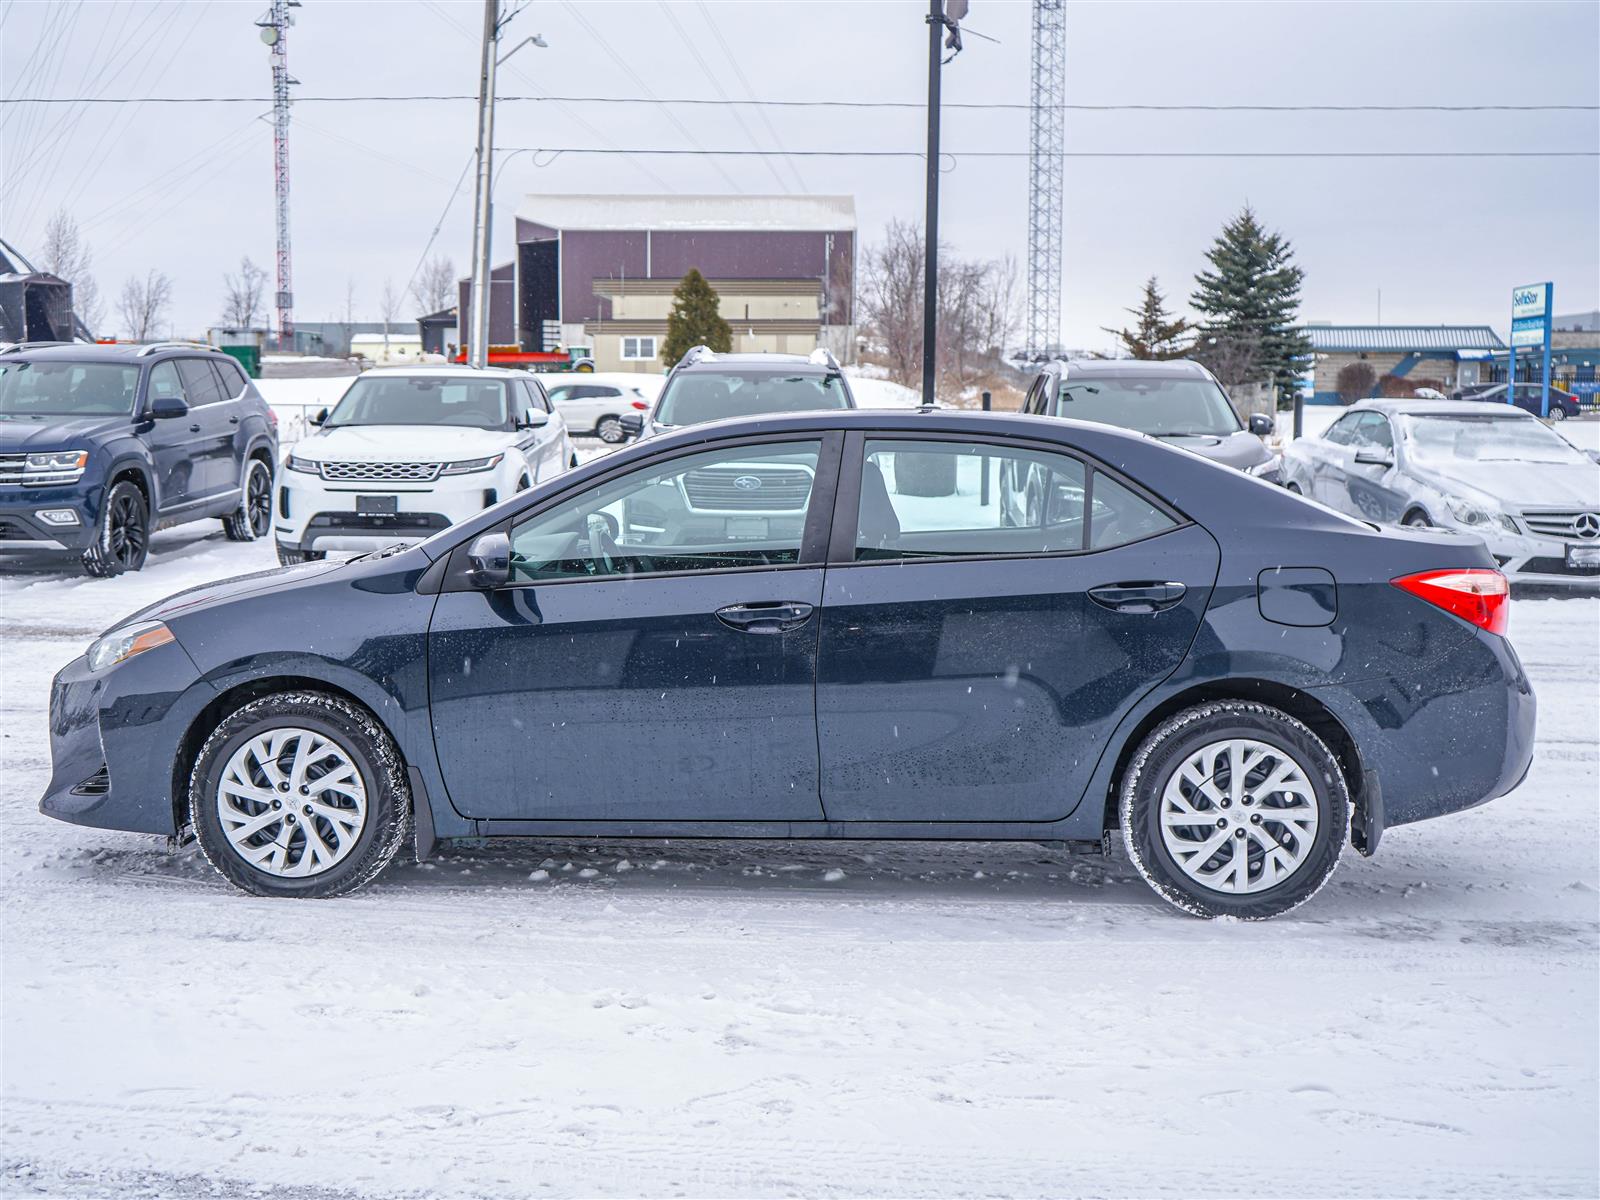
x=1477, y=594
x=640, y=405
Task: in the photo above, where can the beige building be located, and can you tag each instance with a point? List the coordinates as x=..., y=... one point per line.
x=771, y=316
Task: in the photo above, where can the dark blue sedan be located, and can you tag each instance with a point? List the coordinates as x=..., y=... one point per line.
x=831, y=625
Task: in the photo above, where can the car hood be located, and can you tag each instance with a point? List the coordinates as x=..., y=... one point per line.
x=222, y=590
x=56, y=433
x=1240, y=450
x=402, y=443
x=1525, y=484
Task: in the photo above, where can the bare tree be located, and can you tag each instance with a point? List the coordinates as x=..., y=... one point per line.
x=143, y=304
x=435, y=288
x=67, y=256
x=891, y=298
x=244, y=297
x=388, y=308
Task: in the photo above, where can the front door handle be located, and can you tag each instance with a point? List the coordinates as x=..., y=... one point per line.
x=774, y=616
x=1137, y=597
x=233, y=420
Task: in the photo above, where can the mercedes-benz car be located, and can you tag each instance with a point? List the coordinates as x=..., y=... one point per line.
x=1493, y=471
x=408, y=451
x=1177, y=400
x=1230, y=681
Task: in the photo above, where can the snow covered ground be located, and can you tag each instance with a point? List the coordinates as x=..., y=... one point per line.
x=760, y=1019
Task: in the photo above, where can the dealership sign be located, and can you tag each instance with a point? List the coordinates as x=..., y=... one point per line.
x=1531, y=309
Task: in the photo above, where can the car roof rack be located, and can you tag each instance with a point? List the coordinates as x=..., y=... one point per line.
x=8, y=347
x=823, y=357
x=170, y=344
x=697, y=354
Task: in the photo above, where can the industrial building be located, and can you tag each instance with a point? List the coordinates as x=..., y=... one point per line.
x=599, y=271
x=1440, y=356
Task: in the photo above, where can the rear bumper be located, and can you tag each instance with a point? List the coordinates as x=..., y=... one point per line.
x=114, y=736
x=1454, y=738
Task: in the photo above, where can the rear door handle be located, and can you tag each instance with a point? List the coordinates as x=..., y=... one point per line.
x=774, y=616
x=1137, y=597
x=233, y=420
x=194, y=429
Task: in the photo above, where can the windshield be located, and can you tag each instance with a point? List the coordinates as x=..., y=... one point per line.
x=1160, y=407
x=711, y=395
x=66, y=389
x=1445, y=441
x=422, y=400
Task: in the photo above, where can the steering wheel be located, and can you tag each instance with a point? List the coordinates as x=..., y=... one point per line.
x=600, y=543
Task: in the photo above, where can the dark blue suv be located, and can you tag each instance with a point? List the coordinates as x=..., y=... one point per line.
x=99, y=445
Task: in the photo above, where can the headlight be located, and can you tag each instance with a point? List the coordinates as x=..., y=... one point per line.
x=1475, y=516
x=295, y=463
x=472, y=464
x=1271, y=470
x=124, y=643
x=54, y=467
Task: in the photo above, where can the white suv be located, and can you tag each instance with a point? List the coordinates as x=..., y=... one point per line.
x=410, y=451
x=596, y=406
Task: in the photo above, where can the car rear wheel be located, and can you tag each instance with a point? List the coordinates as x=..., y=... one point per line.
x=122, y=539
x=609, y=430
x=1557, y=413
x=300, y=795
x=254, y=516
x=1234, y=808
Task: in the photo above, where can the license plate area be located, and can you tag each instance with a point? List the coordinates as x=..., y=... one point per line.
x=1583, y=556
x=377, y=506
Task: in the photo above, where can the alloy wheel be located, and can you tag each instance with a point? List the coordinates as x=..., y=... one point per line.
x=610, y=431
x=1239, y=816
x=291, y=802
x=258, y=500
x=125, y=531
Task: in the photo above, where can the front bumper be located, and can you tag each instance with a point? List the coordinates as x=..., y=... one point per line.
x=311, y=514
x=24, y=532
x=1531, y=559
x=114, y=738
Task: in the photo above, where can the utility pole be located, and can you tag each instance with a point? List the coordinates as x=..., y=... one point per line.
x=930, y=241
x=1046, y=127
x=482, y=216
x=274, y=29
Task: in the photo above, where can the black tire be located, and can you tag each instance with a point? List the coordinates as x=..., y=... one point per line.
x=1293, y=487
x=290, y=558
x=253, y=519
x=122, y=538
x=609, y=430
x=572, y=464
x=1417, y=519
x=1166, y=749
x=361, y=739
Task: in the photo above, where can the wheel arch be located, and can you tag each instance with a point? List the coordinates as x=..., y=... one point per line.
x=230, y=700
x=135, y=471
x=1299, y=704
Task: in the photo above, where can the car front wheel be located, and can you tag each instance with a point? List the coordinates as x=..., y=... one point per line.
x=300, y=795
x=1234, y=808
x=122, y=538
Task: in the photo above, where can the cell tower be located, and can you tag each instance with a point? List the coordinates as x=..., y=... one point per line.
x=274, y=30
x=1045, y=189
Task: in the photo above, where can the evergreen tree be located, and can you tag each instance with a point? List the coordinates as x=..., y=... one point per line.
x=694, y=320
x=1250, y=305
x=1158, y=333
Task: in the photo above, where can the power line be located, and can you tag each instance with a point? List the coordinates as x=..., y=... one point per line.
x=960, y=154
x=718, y=102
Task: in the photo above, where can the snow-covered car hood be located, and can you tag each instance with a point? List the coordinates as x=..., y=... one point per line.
x=1241, y=450
x=1522, y=484
x=402, y=443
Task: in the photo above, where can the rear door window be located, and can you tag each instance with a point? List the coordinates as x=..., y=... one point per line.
x=200, y=382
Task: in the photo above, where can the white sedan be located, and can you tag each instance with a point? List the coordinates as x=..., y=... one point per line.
x=410, y=451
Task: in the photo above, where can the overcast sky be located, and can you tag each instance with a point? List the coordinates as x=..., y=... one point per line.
x=188, y=188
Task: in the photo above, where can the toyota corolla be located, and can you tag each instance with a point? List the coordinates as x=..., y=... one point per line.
x=828, y=625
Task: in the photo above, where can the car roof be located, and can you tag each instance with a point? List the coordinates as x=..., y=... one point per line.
x=1417, y=406
x=896, y=421
x=778, y=362
x=1122, y=368
x=447, y=370
x=112, y=352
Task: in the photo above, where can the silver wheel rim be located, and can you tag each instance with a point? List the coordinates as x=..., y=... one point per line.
x=291, y=803
x=1239, y=816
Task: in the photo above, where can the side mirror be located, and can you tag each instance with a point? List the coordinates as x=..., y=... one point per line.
x=489, y=561
x=534, y=419
x=1374, y=456
x=318, y=417
x=165, y=408
x=1262, y=425
x=632, y=423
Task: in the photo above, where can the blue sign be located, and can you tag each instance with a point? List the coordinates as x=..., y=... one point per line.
x=1532, y=307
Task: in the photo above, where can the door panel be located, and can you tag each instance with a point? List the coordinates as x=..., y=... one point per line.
x=627, y=699
x=177, y=444
x=216, y=470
